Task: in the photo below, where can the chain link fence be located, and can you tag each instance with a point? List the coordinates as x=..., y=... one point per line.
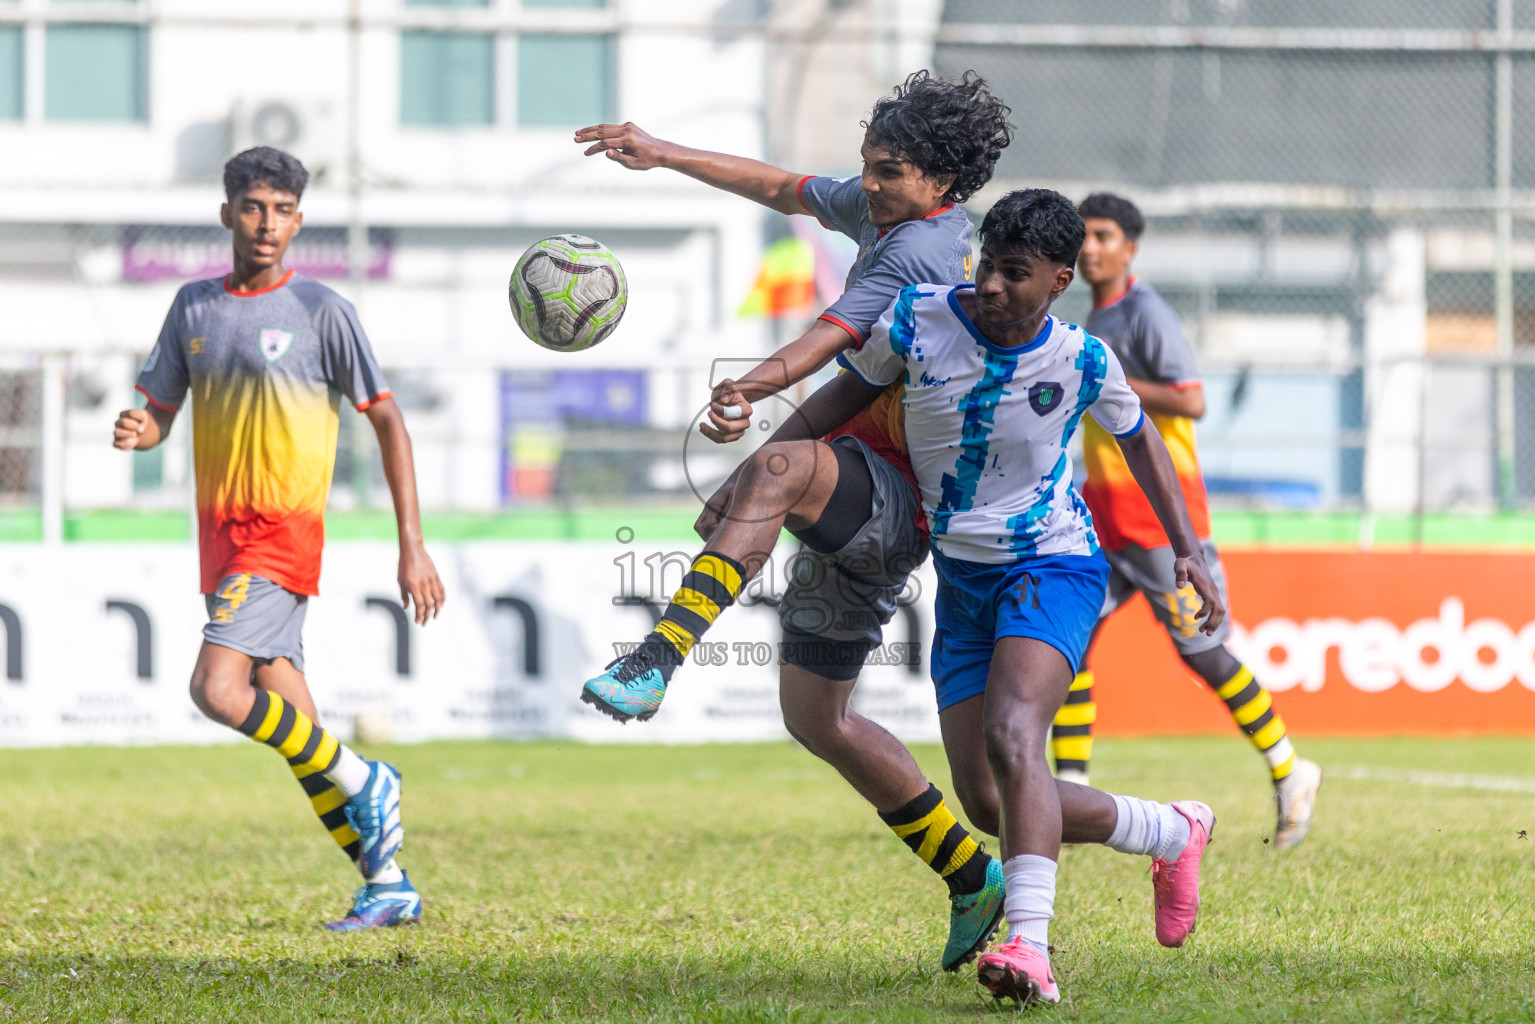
x=1339, y=205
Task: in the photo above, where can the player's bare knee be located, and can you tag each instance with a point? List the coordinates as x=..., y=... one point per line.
x=818, y=729
x=221, y=697
x=1214, y=666
x=980, y=805
x=1013, y=740
x=773, y=468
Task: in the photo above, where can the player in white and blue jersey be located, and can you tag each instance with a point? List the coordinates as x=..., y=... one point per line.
x=995, y=389
x=849, y=496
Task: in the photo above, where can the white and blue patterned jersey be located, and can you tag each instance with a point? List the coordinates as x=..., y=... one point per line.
x=989, y=427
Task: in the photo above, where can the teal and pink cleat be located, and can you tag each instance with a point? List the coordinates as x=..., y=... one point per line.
x=381, y=905
x=633, y=686
x=1016, y=970
x=1175, y=884
x=973, y=919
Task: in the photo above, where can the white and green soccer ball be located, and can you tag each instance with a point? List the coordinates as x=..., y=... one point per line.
x=568, y=292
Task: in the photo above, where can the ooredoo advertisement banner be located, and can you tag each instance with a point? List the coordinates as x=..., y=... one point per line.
x=1351, y=643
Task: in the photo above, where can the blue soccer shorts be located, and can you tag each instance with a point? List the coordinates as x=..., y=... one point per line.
x=1054, y=599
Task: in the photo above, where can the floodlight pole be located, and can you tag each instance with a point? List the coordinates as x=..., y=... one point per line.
x=1503, y=257
x=357, y=231
x=357, y=227
x=51, y=448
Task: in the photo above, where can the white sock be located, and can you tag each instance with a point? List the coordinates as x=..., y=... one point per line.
x=350, y=773
x=388, y=873
x=1148, y=828
x=1030, y=900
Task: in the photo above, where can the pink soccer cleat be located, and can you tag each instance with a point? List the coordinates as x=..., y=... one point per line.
x=1175, y=885
x=1015, y=970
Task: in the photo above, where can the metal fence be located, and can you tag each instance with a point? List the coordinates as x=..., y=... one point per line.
x=1341, y=205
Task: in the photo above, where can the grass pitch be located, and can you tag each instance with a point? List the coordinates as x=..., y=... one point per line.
x=742, y=883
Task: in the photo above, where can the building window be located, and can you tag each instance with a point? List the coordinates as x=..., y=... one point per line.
x=10, y=72
x=447, y=78
x=94, y=73
x=447, y=3
x=564, y=81
x=589, y=5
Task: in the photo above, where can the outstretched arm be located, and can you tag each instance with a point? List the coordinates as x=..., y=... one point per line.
x=419, y=583
x=1153, y=470
x=788, y=366
x=637, y=150
x=138, y=430
x=832, y=405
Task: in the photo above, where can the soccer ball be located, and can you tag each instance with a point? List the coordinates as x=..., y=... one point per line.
x=567, y=292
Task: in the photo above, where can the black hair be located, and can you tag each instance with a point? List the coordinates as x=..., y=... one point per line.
x=945, y=127
x=278, y=170
x=1036, y=222
x=1117, y=209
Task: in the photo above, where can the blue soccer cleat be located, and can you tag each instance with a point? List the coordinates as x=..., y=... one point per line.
x=633, y=686
x=375, y=814
x=381, y=905
x=973, y=919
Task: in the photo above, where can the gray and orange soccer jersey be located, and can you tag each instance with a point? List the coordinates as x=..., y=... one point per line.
x=267, y=371
x=1144, y=332
x=934, y=250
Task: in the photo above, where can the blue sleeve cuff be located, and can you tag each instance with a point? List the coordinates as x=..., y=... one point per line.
x=842, y=361
x=1133, y=430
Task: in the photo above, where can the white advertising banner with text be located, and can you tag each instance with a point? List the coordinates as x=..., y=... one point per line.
x=101, y=640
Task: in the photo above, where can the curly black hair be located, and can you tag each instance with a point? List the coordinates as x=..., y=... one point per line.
x=1036, y=222
x=945, y=126
x=276, y=169
x=1117, y=209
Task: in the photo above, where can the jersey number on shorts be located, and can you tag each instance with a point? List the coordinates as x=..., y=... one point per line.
x=233, y=597
x=1021, y=591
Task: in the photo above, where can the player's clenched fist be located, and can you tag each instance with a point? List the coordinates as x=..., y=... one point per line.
x=625, y=143
x=730, y=414
x=129, y=429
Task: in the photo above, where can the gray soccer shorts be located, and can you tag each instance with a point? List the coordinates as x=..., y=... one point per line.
x=835, y=605
x=1150, y=572
x=257, y=617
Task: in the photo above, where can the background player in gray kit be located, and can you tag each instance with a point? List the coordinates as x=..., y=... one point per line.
x=853, y=503
x=267, y=356
x=1144, y=332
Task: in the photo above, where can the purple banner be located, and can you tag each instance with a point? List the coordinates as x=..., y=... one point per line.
x=151, y=255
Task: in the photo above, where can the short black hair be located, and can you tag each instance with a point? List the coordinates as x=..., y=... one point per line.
x=1117, y=209
x=279, y=170
x=945, y=126
x=1037, y=222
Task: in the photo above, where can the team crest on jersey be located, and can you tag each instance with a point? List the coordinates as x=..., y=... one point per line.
x=275, y=343
x=1045, y=396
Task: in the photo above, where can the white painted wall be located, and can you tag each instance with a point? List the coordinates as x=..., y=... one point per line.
x=691, y=254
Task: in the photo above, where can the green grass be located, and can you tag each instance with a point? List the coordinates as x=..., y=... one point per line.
x=662, y=524
x=741, y=883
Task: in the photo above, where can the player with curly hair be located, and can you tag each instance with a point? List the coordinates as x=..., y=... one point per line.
x=851, y=496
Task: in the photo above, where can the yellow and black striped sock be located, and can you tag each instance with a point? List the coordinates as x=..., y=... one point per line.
x=1071, y=738
x=711, y=585
x=311, y=751
x=328, y=803
x=930, y=829
x=1252, y=709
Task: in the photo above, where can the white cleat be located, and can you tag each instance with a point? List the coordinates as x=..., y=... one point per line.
x=1295, y=798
